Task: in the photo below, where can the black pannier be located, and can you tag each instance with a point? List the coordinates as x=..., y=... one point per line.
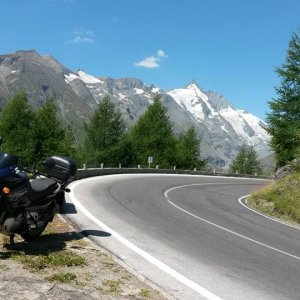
x=60, y=167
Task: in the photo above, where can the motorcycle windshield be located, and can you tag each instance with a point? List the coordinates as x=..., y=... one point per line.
x=7, y=164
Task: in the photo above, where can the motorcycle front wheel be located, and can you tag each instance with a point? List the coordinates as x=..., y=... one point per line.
x=33, y=233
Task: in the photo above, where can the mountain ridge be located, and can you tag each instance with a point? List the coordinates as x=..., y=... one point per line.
x=221, y=127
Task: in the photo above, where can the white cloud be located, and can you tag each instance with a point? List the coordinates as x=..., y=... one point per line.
x=83, y=36
x=82, y=39
x=152, y=62
x=161, y=53
x=149, y=62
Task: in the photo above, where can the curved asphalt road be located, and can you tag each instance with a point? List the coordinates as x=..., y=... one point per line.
x=190, y=235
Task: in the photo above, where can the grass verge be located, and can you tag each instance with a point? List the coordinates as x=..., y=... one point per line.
x=62, y=255
x=112, y=286
x=280, y=199
x=65, y=277
x=57, y=259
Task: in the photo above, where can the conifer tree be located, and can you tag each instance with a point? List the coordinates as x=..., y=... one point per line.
x=188, y=150
x=70, y=147
x=283, y=122
x=124, y=151
x=48, y=134
x=16, y=123
x=103, y=133
x=152, y=135
x=246, y=162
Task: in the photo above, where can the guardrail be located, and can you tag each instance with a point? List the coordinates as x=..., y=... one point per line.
x=91, y=172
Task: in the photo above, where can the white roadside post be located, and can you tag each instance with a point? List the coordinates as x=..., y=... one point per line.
x=150, y=161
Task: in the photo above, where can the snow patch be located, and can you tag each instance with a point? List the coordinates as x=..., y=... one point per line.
x=256, y=124
x=193, y=99
x=86, y=78
x=155, y=90
x=193, y=87
x=121, y=96
x=236, y=120
x=239, y=119
x=139, y=91
x=224, y=129
x=186, y=99
x=69, y=78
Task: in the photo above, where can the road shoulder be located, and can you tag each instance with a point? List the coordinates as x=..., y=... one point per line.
x=26, y=271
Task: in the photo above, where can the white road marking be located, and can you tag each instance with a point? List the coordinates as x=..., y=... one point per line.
x=240, y=200
x=218, y=226
x=159, y=264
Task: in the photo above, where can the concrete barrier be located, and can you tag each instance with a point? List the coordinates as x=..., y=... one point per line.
x=91, y=172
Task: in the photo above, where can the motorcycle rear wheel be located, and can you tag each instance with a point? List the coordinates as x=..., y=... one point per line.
x=33, y=234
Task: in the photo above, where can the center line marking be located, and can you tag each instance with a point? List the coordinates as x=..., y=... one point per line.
x=218, y=226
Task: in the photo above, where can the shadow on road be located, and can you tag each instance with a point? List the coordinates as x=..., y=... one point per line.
x=69, y=209
x=100, y=233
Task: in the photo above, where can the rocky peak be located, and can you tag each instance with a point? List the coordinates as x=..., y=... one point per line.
x=55, y=64
x=218, y=101
x=129, y=84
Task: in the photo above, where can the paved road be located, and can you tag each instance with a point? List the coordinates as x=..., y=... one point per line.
x=190, y=236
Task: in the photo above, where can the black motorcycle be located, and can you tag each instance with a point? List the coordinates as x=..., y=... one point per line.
x=27, y=206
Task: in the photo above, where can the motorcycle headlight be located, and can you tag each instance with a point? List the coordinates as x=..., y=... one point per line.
x=6, y=190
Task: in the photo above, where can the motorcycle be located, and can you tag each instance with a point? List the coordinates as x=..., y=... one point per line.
x=27, y=206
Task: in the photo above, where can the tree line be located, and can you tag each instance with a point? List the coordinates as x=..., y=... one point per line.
x=33, y=135
x=283, y=121
x=29, y=134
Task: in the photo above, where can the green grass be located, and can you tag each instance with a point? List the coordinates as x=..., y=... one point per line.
x=56, y=259
x=145, y=293
x=281, y=199
x=112, y=286
x=62, y=277
x=111, y=265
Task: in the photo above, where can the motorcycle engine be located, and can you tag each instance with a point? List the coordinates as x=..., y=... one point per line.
x=12, y=224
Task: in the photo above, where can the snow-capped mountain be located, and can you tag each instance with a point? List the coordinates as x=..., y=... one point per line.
x=221, y=127
x=216, y=113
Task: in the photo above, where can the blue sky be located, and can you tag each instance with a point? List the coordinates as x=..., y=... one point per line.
x=228, y=46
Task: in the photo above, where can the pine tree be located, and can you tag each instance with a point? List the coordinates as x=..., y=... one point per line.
x=48, y=134
x=152, y=135
x=283, y=122
x=103, y=133
x=124, y=151
x=70, y=147
x=16, y=123
x=188, y=150
x=246, y=162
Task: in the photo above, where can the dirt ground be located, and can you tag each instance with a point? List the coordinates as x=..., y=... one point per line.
x=63, y=264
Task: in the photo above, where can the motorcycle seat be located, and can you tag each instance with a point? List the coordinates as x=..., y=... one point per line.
x=41, y=187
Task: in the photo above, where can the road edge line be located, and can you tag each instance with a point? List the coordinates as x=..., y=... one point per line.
x=240, y=200
x=154, y=261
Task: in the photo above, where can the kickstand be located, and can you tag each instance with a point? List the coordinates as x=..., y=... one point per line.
x=11, y=240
